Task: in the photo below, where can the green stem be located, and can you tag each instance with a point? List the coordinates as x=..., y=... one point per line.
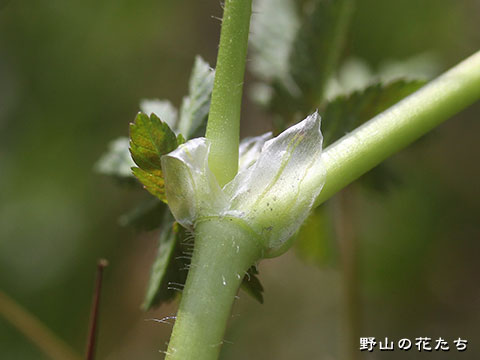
x=368, y=145
x=223, y=127
x=224, y=250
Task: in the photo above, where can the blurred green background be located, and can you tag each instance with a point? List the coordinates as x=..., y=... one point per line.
x=71, y=77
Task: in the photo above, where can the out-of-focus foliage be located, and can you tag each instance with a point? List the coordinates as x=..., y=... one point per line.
x=309, y=45
x=274, y=26
x=195, y=106
x=355, y=74
x=163, y=109
x=341, y=115
x=306, y=79
x=117, y=161
x=317, y=48
x=346, y=112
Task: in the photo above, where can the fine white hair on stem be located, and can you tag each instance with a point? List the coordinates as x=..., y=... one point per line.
x=164, y=320
x=174, y=288
x=175, y=283
x=217, y=18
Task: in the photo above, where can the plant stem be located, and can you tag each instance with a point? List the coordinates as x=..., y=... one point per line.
x=223, y=126
x=368, y=145
x=224, y=250
x=34, y=330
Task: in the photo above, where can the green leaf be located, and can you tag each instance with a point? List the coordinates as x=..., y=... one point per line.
x=346, y=112
x=117, y=161
x=297, y=74
x=355, y=74
x=317, y=48
x=252, y=286
x=152, y=181
x=150, y=138
x=169, y=271
x=195, y=107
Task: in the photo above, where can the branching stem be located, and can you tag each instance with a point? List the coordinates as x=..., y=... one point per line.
x=224, y=249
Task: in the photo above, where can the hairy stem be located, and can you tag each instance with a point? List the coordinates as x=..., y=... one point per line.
x=223, y=128
x=224, y=251
x=368, y=145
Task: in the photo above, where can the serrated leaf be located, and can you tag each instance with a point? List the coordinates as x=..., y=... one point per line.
x=152, y=181
x=317, y=48
x=117, y=161
x=252, y=286
x=195, y=106
x=423, y=66
x=146, y=216
x=355, y=74
x=150, y=138
x=346, y=112
x=168, y=272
